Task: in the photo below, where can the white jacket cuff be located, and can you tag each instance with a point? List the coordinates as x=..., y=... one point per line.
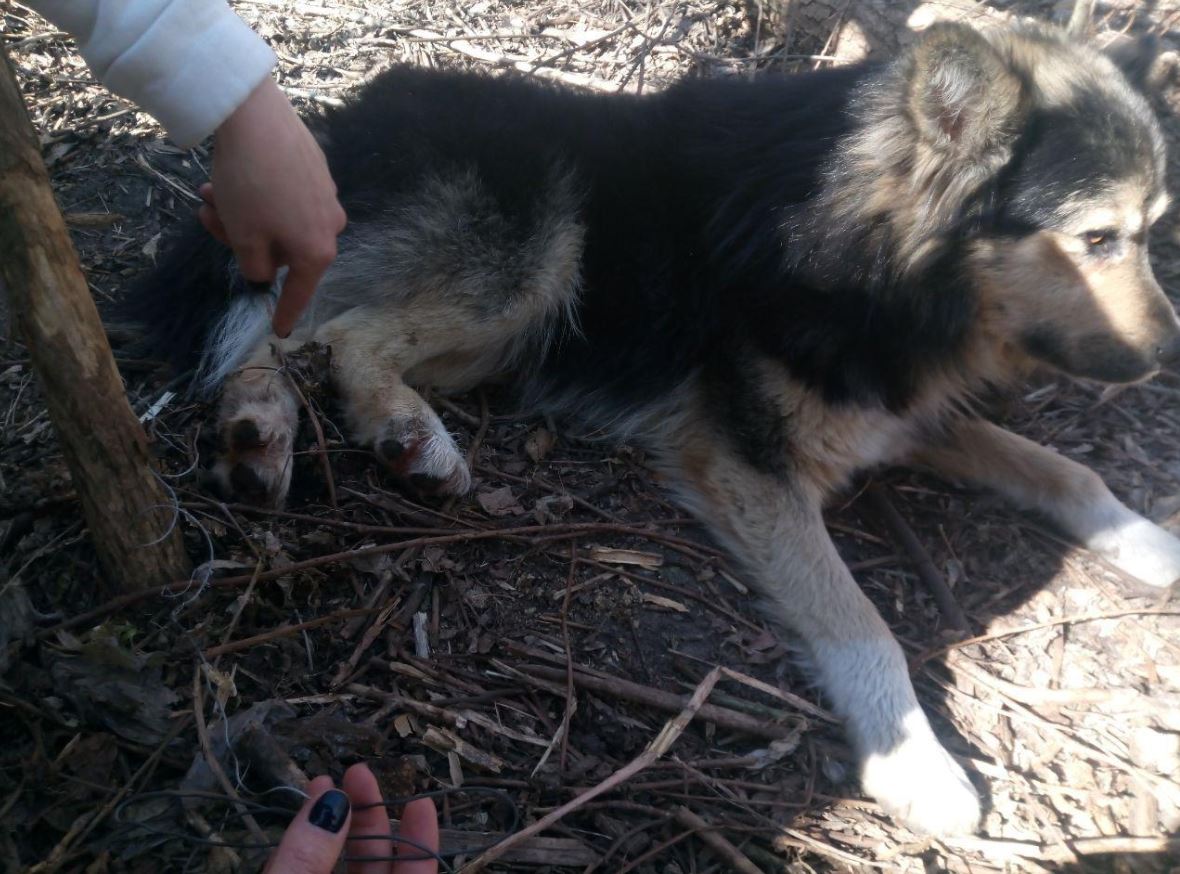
x=189, y=63
x=196, y=64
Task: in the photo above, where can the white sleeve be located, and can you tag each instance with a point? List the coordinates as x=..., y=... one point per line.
x=189, y=63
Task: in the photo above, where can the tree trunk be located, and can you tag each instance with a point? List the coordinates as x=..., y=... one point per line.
x=128, y=511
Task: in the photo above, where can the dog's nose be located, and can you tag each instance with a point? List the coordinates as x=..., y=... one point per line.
x=1169, y=353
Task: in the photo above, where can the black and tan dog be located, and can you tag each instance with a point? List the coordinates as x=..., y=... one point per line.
x=771, y=284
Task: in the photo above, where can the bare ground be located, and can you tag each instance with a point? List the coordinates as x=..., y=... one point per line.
x=567, y=569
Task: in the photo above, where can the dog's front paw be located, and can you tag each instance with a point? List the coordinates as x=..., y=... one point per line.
x=422, y=453
x=922, y=787
x=1143, y=550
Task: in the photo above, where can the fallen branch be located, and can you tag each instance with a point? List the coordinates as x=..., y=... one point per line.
x=734, y=858
x=1037, y=626
x=214, y=764
x=660, y=700
x=285, y=630
x=900, y=530
x=660, y=745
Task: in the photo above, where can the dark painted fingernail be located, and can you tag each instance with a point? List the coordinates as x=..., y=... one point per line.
x=330, y=812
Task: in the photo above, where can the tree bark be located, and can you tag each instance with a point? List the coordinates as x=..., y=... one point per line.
x=129, y=514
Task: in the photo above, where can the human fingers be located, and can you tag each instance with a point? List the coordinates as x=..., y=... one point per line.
x=255, y=260
x=304, y=275
x=362, y=789
x=212, y=222
x=314, y=839
x=419, y=824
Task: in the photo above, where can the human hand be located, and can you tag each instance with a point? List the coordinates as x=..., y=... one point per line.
x=314, y=840
x=272, y=199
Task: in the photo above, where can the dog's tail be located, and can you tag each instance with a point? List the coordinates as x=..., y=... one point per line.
x=195, y=311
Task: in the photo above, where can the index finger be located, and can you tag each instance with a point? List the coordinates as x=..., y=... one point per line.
x=298, y=289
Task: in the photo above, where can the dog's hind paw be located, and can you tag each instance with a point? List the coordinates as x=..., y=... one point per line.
x=922, y=787
x=422, y=453
x=255, y=464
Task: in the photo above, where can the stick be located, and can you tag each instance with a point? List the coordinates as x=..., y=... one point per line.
x=660, y=745
x=734, y=858
x=923, y=564
x=571, y=701
x=661, y=700
x=285, y=630
x=321, y=443
x=211, y=760
x=1037, y=626
x=130, y=515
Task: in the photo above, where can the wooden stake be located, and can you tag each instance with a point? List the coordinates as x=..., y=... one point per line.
x=129, y=513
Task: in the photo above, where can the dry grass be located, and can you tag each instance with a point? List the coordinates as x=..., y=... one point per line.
x=529, y=638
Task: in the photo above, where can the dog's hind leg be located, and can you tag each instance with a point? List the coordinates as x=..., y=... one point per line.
x=1071, y=495
x=774, y=525
x=257, y=420
x=388, y=416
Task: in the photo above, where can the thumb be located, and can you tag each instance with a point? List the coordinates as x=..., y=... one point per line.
x=314, y=840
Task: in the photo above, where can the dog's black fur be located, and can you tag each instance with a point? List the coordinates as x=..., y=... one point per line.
x=688, y=197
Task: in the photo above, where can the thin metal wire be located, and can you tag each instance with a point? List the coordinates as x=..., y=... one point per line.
x=246, y=806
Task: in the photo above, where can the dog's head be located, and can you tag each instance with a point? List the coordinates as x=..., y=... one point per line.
x=1065, y=263
x=1044, y=164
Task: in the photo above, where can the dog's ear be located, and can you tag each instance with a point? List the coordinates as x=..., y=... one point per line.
x=963, y=98
x=1136, y=58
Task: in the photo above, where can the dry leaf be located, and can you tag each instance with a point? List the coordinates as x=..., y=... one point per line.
x=501, y=502
x=539, y=444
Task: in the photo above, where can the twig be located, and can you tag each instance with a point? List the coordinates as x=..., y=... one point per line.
x=660, y=745
x=795, y=701
x=1037, y=626
x=657, y=850
x=622, y=840
x=1039, y=697
x=1065, y=853
x=321, y=442
x=923, y=564
x=213, y=763
x=659, y=699
x=242, y=602
x=734, y=858
x=477, y=440
x=285, y=630
x=456, y=718
x=571, y=702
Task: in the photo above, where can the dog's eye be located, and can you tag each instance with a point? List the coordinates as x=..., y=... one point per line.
x=1099, y=240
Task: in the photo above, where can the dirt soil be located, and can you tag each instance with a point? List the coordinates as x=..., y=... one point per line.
x=534, y=637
